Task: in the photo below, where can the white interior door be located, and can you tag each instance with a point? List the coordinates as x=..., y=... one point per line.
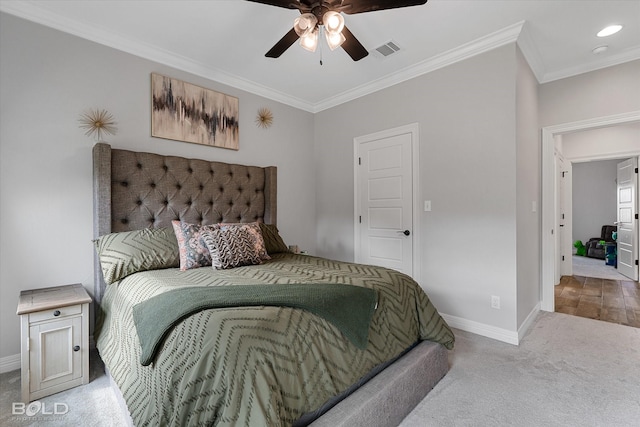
x=627, y=218
x=563, y=242
x=384, y=200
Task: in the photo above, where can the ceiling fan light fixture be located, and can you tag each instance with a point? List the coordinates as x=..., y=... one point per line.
x=305, y=24
x=334, y=40
x=310, y=41
x=333, y=22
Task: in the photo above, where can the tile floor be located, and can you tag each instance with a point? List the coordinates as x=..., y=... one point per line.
x=616, y=301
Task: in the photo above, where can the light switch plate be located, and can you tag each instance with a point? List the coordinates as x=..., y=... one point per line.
x=427, y=205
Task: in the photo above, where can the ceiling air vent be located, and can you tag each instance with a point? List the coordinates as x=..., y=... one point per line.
x=387, y=49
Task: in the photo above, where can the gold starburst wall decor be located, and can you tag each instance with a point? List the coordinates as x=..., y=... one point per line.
x=98, y=123
x=264, y=118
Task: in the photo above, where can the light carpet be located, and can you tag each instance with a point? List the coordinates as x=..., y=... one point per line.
x=593, y=267
x=567, y=371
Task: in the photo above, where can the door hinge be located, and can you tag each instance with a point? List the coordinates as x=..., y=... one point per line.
x=636, y=262
x=636, y=170
x=563, y=257
x=636, y=216
x=360, y=219
x=359, y=160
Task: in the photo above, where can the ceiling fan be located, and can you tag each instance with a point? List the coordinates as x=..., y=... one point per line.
x=324, y=16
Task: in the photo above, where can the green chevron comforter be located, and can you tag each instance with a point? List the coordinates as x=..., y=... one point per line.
x=260, y=365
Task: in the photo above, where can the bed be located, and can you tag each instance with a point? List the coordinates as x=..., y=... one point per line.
x=363, y=348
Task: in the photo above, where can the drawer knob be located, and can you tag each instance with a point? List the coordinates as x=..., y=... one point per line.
x=76, y=348
x=56, y=313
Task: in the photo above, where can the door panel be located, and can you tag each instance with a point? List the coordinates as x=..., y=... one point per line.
x=53, y=360
x=384, y=180
x=627, y=222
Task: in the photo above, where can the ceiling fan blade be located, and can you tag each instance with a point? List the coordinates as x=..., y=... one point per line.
x=283, y=44
x=361, y=6
x=352, y=46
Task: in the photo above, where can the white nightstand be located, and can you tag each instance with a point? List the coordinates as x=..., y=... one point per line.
x=55, y=340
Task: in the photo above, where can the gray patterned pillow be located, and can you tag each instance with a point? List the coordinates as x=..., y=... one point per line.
x=253, y=228
x=128, y=252
x=192, y=249
x=231, y=247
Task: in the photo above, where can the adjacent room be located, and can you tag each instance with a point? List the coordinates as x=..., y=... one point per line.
x=595, y=287
x=252, y=213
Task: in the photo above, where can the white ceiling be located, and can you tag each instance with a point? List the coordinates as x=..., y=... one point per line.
x=226, y=40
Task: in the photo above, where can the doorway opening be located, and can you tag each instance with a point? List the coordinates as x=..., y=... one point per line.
x=550, y=223
x=590, y=285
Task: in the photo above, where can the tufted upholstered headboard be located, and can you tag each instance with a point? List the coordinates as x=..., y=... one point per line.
x=135, y=190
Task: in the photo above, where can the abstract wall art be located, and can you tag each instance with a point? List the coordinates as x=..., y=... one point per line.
x=185, y=112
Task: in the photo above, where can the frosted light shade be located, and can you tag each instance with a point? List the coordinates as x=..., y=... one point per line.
x=333, y=22
x=305, y=24
x=310, y=41
x=334, y=40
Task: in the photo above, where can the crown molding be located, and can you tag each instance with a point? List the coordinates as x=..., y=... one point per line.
x=531, y=53
x=513, y=33
x=483, y=44
x=34, y=13
x=627, y=56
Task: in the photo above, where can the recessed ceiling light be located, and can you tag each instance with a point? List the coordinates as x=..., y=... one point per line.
x=611, y=29
x=600, y=49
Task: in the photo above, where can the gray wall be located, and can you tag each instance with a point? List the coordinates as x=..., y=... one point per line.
x=47, y=79
x=602, y=93
x=528, y=166
x=594, y=197
x=467, y=114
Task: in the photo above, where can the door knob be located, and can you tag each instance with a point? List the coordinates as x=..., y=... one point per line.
x=76, y=348
x=406, y=232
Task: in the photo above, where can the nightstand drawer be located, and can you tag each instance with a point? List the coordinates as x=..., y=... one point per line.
x=56, y=313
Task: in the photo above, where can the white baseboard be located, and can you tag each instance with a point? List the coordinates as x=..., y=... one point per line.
x=500, y=334
x=524, y=328
x=10, y=363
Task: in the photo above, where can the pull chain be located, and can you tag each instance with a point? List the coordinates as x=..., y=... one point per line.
x=320, y=43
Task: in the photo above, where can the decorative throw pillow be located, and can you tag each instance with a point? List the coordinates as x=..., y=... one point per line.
x=272, y=240
x=128, y=252
x=253, y=228
x=193, y=251
x=231, y=247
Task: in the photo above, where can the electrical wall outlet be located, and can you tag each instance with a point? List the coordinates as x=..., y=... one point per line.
x=495, y=302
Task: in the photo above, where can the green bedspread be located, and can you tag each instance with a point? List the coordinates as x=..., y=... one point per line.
x=348, y=307
x=262, y=365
